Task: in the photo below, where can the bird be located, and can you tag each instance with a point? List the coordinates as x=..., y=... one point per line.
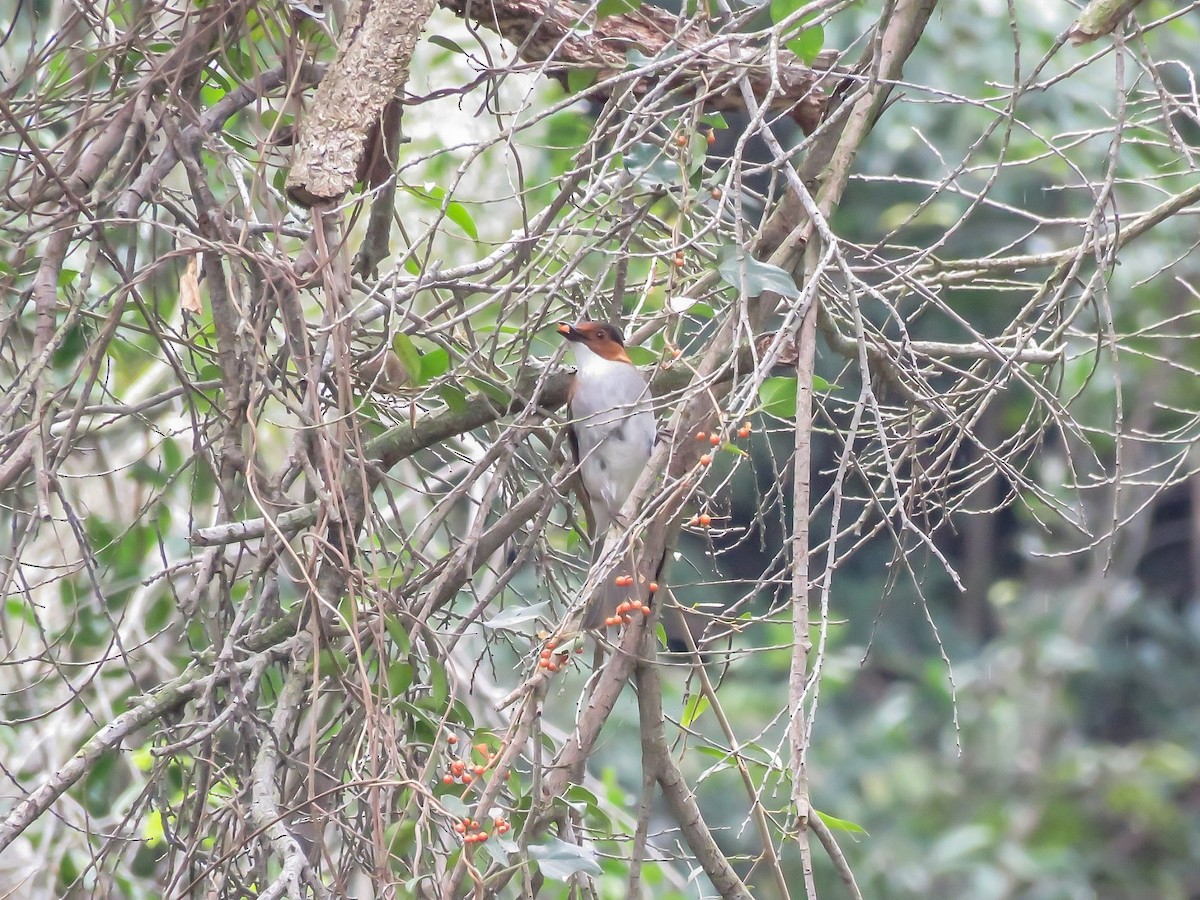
x=612, y=433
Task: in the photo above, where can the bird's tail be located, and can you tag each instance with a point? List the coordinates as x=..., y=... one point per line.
x=613, y=579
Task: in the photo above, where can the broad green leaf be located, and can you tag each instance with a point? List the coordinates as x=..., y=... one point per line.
x=840, y=824
x=408, y=356
x=650, y=165
x=641, y=356
x=560, y=860
x=579, y=80
x=456, y=400
x=778, y=397
x=616, y=7
x=809, y=44
x=152, y=828
x=434, y=363
x=693, y=710
x=398, y=633
x=399, y=676
x=805, y=42
x=433, y=195
x=735, y=266
x=446, y=44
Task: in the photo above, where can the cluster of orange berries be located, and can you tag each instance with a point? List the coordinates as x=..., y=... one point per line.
x=473, y=833
x=464, y=772
x=627, y=608
x=715, y=439
x=682, y=139
x=552, y=661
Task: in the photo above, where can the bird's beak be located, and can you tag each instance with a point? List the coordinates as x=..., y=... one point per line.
x=566, y=330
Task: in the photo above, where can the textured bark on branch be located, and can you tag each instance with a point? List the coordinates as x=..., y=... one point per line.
x=546, y=32
x=1100, y=17
x=372, y=65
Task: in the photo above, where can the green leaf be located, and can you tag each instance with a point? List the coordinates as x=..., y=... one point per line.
x=432, y=195
x=456, y=400
x=650, y=166
x=840, y=824
x=616, y=7
x=805, y=42
x=446, y=44
x=734, y=266
x=434, y=363
x=398, y=633
x=715, y=119
x=693, y=710
x=399, y=676
x=560, y=860
x=778, y=397
x=457, y=213
x=409, y=357
x=808, y=45
x=641, y=356
x=579, y=80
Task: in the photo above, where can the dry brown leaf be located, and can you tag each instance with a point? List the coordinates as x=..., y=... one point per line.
x=189, y=289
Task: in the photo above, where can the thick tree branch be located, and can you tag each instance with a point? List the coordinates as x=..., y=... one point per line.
x=547, y=32
x=372, y=65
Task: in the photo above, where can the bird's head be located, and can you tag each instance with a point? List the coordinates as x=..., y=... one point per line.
x=605, y=340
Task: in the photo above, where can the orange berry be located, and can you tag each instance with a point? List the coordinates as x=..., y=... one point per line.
x=635, y=604
x=645, y=611
x=652, y=587
x=479, y=770
x=681, y=140
x=482, y=836
x=467, y=779
x=676, y=353
x=628, y=620
x=705, y=460
x=579, y=649
x=460, y=827
x=447, y=779
x=701, y=435
x=458, y=766
x=711, y=137
x=715, y=440
x=499, y=821
x=715, y=193
x=679, y=262
x=552, y=643
x=545, y=654
x=551, y=667
x=704, y=519
x=743, y=432
x=452, y=739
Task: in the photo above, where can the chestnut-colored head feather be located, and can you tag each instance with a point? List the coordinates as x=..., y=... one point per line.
x=604, y=340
